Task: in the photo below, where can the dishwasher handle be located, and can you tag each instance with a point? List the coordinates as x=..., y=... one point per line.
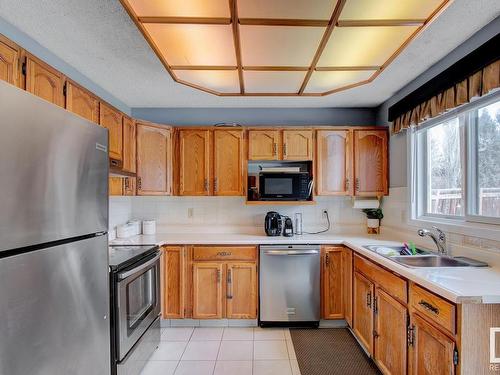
x=291, y=252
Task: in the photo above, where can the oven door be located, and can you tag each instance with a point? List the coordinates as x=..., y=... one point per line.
x=138, y=302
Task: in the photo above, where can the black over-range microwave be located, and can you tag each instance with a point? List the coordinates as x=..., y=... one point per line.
x=288, y=186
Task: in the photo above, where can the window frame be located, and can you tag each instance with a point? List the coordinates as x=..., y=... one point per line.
x=417, y=156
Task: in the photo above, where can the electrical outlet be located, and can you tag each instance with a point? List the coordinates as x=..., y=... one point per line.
x=190, y=212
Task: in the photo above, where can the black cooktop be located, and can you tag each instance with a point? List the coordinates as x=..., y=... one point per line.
x=121, y=256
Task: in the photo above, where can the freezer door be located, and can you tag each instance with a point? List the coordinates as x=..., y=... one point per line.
x=53, y=172
x=54, y=310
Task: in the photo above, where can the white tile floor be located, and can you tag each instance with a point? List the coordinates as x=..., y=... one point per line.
x=223, y=351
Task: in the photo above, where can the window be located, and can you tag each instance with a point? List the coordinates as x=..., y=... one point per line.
x=455, y=164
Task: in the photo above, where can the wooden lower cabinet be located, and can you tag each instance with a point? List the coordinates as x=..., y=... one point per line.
x=363, y=310
x=390, y=338
x=207, y=290
x=241, y=291
x=333, y=282
x=174, y=282
x=431, y=352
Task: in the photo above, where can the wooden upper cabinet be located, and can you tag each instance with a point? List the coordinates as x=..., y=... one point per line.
x=431, y=351
x=44, y=81
x=9, y=62
x=297, y=144
x=333, y=283
x=241, y=291
x=174, y=282
x=115, y=186
x=363, y=311
x=264, y=144
x=390, y=334
x=370, y=162
x=129, y=145
x=82, y=102
x=112, y=119
x=207, y=290
x=194, y=162
x=228, y=162
x=334, y=160
x=154, y=160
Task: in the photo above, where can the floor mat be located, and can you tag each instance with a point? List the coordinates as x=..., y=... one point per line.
x=330, y=352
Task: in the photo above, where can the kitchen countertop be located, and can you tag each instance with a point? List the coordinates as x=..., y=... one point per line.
x=457, y=284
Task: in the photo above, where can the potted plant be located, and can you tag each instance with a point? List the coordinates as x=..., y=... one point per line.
x=373, y=215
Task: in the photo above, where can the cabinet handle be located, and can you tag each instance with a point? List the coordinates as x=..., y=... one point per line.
x=284, y=149
x=275, y=149
x=426, y=305
x=369, y=299
x=357, y=184
x=218, y=276
x=375, y=305
x=410, y=333
x=216, y=185
x=347, y=184
x=206, y=184
x=224, y=253
x=139, y=183
x=327, y=259
x=375, y=334
x=229, y=284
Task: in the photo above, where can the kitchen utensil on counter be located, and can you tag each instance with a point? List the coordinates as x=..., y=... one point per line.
x=298, y=223
x=148, y=227
x=288, y=227
x=273, y=224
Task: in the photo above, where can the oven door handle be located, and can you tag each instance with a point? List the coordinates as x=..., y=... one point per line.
x=124, y=275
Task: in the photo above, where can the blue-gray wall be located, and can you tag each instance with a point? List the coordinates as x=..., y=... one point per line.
x=258, y=116
x=398, y=143
x=35, y=48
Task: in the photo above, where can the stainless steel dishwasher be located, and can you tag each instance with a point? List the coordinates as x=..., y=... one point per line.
x=289, y=285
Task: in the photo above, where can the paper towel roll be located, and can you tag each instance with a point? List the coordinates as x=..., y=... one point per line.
x=366, y=203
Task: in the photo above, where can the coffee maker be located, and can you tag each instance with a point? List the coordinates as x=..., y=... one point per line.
x=273, y=224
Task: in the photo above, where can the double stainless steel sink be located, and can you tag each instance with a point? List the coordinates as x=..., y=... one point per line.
x=423, y=258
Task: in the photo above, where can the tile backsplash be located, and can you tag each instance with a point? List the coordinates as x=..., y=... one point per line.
x=230, y=212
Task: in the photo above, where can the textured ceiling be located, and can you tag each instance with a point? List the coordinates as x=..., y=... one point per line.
x=98, y=39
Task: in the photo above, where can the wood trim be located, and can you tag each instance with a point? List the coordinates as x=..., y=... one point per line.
x=345, y=68
x=283, y=22
x=202, y=67
x=233, y=6
x=186, y=20
x=277, y=68
x=372, y=23
x=326, y=36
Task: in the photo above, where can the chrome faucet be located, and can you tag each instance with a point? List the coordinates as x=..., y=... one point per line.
x=439, y=240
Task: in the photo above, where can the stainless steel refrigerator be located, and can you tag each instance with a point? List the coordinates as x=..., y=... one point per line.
x=54, y=291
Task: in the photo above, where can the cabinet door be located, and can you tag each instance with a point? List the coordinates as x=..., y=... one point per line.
x=82, y=102
x=115, y=186
x=334, y=159
x=112, y=120
x=174, y=282
x=129, y=145
x=333, y=283
x=194, y=162
x=297, y=145
x=431, y=352
x=207, y=290
x=9, y=61
x=154, y=160
x=347, y=272
x=241, y=291
x=363, y=311
x=228, y=162
x=263, y=144
x=44, y=81
x=370, y=162
x=390, y=334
